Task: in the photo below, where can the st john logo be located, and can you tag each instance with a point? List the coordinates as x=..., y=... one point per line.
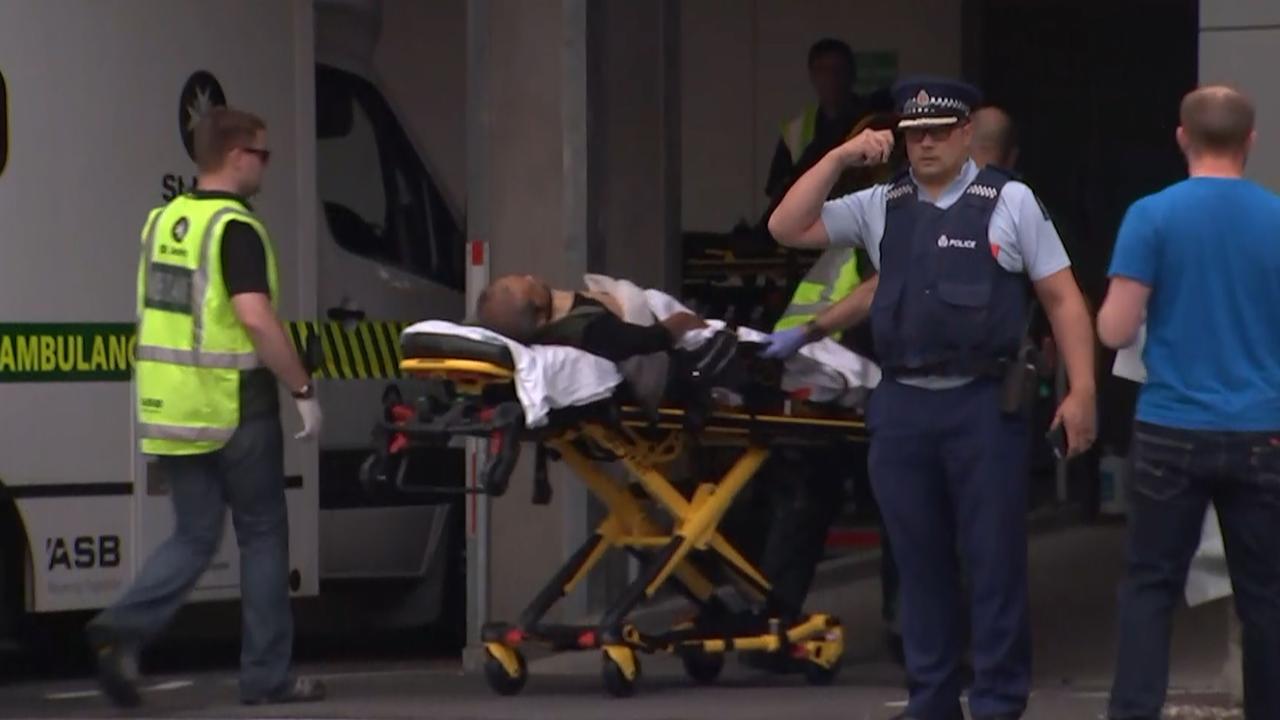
x=200, y=94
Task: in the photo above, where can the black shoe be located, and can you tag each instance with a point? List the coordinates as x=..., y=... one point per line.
x=297, y=690
x=117, y=669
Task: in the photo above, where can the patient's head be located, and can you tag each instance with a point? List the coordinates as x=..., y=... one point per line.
x=515, y=306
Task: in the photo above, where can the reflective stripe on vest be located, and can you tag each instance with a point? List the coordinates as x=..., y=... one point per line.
x=797, y=133
x=196, y=358
x=831, y=278
x=157, y=431
x=199, y=289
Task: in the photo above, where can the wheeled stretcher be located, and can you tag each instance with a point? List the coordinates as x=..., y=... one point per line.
x=469, y=387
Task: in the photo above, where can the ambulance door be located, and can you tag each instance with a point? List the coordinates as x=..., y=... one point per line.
x=390, y=253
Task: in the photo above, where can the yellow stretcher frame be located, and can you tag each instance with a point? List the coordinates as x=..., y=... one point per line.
x=641, y=444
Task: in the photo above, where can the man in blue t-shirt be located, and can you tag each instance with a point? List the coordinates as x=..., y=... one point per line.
x=1201, y=261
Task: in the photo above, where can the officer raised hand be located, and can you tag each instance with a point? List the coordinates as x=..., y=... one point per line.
x=869, y=147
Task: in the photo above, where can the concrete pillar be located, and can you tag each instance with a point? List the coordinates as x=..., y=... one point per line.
x=573, y=166
x=636, y=118
x=526, y=199
x=1240, y=46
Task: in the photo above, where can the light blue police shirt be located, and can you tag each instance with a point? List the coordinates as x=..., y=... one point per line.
x=1020, y=231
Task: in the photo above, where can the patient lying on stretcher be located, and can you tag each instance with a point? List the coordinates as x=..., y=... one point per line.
x=527, y=310
x=637, y=329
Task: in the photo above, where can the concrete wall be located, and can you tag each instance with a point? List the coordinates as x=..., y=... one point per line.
x=635, y=122
x=1240, y=46
x=742, y=71
x=743, y=67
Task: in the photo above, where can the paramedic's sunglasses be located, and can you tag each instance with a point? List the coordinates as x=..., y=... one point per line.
x=263, y=155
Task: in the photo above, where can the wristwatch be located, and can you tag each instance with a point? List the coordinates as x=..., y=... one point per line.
x=307, y=392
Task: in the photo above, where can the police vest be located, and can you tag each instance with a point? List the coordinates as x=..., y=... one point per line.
x=798, y=132
x=944, y=305
x=831, y=278
x=191, y=347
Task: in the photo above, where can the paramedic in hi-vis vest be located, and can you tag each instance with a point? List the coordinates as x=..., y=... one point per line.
x=954, y=245
x=210, y=351
x=807, y=503
x=825, y=123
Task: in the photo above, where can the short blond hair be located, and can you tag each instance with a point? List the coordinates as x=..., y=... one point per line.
x=221, y=130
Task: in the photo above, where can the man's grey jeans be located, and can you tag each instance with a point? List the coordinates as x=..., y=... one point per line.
x=247, y=475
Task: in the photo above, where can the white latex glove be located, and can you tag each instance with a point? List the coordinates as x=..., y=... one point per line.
x=312, y=418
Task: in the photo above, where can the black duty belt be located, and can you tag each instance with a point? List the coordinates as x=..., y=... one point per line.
x=993, y=369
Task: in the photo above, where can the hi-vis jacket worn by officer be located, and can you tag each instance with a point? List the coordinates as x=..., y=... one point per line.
x=191, y=347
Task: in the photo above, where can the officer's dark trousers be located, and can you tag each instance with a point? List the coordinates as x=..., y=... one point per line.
x=247, y=474
x=1176, y=474
x=950, y=472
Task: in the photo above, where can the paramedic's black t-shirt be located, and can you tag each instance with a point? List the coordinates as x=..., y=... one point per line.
x=244, y=270
x=615, y=339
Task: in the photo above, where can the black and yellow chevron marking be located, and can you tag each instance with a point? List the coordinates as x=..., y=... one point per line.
x=353, y=351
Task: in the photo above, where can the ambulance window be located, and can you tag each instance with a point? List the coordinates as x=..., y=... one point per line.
x=379, y=200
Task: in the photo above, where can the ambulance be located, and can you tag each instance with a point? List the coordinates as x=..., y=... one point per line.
x=98, y=101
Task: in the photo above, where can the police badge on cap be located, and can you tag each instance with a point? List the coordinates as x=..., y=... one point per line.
x=930, y=102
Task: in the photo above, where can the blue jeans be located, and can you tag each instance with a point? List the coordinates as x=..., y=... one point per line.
x=247, y=474
x=1176, y=474
x=950, y=475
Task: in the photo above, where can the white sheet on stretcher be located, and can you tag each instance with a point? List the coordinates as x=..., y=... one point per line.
x=548, y=377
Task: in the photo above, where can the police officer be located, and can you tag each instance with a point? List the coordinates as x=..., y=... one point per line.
x=948, y=457
x=210, y=350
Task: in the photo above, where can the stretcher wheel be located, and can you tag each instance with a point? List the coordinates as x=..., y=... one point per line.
x=819, y=675
x=703, y=667
x=620, y=670
x=500, y=678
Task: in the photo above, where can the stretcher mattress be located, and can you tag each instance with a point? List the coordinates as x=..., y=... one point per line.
x=546, y=377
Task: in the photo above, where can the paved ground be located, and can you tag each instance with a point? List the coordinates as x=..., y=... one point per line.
x=1074, y=579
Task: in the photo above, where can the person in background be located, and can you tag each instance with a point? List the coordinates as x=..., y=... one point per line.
x=827, y=122
x=1198, y=261
x=995, y=138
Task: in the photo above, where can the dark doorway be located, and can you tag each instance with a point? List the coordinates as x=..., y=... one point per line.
x=1094, y=87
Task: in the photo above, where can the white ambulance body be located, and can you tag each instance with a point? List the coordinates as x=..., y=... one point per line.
x=98, y=99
